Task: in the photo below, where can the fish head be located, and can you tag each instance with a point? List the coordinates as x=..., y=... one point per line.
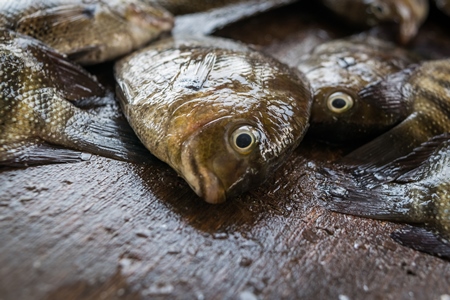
x=338, y=72
x=408, y=14
x=234, y=133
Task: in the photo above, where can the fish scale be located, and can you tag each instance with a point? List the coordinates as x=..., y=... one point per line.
x=213, y=91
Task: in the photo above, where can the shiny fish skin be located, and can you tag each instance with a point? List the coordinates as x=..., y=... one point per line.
x=408, y=14
x=427, y=88
x=443, y=5
x=180, y=7
x=188, y=99
x=414, y=189
x=38, y=89
x=89, y=31
x=348, y=66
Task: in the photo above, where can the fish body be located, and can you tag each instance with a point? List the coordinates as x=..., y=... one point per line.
x=89, y=31
x=408, y=14
x=413, y=189
x=341, y=72
x=39, y=88
x=427, y=87
x=223, y=116
x=443, y=5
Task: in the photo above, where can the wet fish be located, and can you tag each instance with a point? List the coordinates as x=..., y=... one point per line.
x=39, y=88
x=340, y=72
x=427, y=87
x=88, y=31
x=413, y=189
x=443, y=5
x=223, y=116
x=408, y=14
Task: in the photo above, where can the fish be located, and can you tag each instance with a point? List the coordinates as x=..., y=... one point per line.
x=221, y=115
x=412, y=189
x=443, y=5
x=426, y=86
x=40, y=122
x=341, y=72
x=89, y=32
x=407, y=14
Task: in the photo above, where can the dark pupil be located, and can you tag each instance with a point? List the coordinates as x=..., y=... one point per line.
x=243, y=140
x=338, y=103
x=378, y=8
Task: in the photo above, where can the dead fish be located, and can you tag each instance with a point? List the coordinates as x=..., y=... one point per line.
x=340, y=72
x=427, y=87
x=88, y=31
x=223, y=116
x=408, y=14
x=39, y=88
x=443, y=5
x=181, y=7
x=414, y=189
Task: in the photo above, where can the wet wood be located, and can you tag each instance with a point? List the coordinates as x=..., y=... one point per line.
x=104, y=229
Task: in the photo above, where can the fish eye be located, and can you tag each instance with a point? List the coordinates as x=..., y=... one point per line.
x=244, y=139
x=379, y=9
x=339, y=102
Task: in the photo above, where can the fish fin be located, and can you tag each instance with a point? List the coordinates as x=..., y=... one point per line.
x=391, y=94
x=423, y=240
x=361, y=196
x=395, y=143
x=112, y=138
x=40, y=154
x=415, y=165
x=73, y=81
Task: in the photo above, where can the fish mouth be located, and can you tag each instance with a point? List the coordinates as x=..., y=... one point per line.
x=201, y=179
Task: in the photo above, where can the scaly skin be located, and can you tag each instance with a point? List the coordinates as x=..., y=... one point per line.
x=408, y=14
x=187, y=99
x=343, y=69
x=89, y=31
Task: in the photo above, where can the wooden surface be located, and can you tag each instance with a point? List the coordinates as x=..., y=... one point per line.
x=104, y=229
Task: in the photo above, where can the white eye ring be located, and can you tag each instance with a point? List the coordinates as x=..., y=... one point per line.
x=244, y=139
x=339, y=102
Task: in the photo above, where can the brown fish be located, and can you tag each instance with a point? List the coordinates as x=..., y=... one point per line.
x=341, y=72
x=413, y=189
x=408, y=14
x=88, y=31
x=427, y=88
x=39, y=88
x=223, y=116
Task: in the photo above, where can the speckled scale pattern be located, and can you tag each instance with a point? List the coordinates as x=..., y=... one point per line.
x=38, y=88
x=349, y=66
x=179, y=7
x=185, y=92
x=91, y=31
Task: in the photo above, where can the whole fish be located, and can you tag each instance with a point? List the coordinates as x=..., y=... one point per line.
x=90, y=31
x=223, y=116
x=341, y=73
x=39, y=88
x=443, y=5
x=408, y=14
x=427, y=88
x=412, y=189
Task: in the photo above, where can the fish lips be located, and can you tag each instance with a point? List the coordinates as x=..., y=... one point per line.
x=214, y=170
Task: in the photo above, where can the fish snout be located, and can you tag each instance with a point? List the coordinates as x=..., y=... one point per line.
x=201, y=179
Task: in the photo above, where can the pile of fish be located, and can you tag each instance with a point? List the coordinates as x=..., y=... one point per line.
x=224, y=115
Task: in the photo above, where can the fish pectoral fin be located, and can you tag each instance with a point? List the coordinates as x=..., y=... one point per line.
x=416, y=165
x=393, y=144
x=73, y=81
x=41, y=154
x=423, y=240
x=112, y=138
